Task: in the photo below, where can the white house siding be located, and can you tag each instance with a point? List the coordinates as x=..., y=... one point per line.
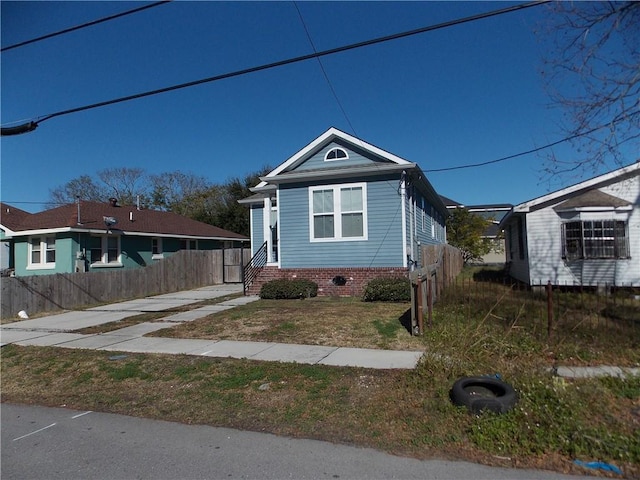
x=517, y=249
x=383, y=247
x=627, y=272
x=544, y=241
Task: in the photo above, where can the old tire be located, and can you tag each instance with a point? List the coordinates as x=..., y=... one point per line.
x=480, y=394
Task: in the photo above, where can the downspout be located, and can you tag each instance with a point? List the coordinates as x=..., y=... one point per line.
x=266, y=231
x=414, y=237
x=403, y=195
x=411, y=214
x=279, y=260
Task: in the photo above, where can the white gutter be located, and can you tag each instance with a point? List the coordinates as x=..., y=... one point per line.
x=403, y=194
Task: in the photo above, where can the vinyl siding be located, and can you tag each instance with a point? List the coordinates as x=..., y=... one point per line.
x=316, y=161
x=383, y=247
x=421, y=226
x=544, y=240
x=257, y=227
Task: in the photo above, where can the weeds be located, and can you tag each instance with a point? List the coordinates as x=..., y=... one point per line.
x=478, y=331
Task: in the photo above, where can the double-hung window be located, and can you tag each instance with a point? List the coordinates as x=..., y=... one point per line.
x=156, y=248
x=338, y=212
x=188, y=244
x=42, y=252
x=105, y=250
x=595, y=239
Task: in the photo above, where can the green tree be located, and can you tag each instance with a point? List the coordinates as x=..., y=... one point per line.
x=231, y=215
x=171, y=190
x=465, y=231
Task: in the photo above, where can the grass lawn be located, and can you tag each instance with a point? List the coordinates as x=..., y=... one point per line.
x=402, y=412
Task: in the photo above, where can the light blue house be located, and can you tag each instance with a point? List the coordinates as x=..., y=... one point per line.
x=341, y=211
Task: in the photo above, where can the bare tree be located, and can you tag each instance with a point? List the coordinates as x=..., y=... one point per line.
x=83, y=187
x=593, y=73
x=129, y=185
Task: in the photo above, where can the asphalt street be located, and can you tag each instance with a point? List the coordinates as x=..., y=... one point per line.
x=59, y=443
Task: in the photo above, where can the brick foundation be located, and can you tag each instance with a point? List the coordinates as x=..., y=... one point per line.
x=356, y=278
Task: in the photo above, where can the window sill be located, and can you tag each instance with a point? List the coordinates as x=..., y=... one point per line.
x=41, y=266
x=106, y=265
x=157, y=256
x=334, y=240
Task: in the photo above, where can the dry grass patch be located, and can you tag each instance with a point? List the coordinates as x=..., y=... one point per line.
x=401, y=412
x=343, y=322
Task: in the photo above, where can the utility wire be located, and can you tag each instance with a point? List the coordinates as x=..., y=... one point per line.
x=84, y=25
x=324, y=72
x=534, y=150
x=33, y=124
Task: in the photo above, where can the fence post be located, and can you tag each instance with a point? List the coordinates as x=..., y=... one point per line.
x=430, y=301
x=419, y=314
x=549, y=309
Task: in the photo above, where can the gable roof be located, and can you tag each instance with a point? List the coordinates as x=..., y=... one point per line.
x=11, y=217
x=592, y=198
x=90, y=216
x=386, y=163
x=279, y=174
x=581, y=192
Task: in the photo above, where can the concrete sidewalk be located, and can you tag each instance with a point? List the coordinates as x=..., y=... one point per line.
x=57, y=330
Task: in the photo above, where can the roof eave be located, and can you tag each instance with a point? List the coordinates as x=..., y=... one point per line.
x=361, y=171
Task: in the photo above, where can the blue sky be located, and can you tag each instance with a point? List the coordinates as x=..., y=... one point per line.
x=462, y=95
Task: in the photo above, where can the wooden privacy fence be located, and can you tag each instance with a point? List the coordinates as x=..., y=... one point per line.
x=183, y=270
x=443, y=264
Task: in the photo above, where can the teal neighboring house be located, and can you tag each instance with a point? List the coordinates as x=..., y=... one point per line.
x=341, y=211
x=92, y=236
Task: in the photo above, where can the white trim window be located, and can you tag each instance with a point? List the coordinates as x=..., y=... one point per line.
x=42, y=252
x=595, y=239
x=188, y=244
x=336, y=154
x=105, y=250
x=338, y=212
x=156, y=248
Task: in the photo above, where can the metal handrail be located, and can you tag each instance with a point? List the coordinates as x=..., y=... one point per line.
x=251, y=270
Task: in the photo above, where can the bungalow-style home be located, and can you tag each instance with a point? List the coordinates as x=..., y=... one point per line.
x=10, y=219
x=90, y=236
x=493, y=213
x=340, y=212
x=587, y=234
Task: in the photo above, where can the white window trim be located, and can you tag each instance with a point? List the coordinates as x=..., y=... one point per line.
x=337, y=213
x=105, y=253
x=188, y=243
x=336, y=159
x=43, y=265
x=159, y=255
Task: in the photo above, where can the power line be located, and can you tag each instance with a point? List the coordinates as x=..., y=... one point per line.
x=33, y=124
x=84, y=25
x=324, y=72
x=534, y=150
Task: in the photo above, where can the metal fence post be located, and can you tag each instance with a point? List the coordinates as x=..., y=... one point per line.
x=549, y=309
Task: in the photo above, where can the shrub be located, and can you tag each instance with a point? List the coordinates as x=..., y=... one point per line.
x=286, y=289
x=387, y=290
